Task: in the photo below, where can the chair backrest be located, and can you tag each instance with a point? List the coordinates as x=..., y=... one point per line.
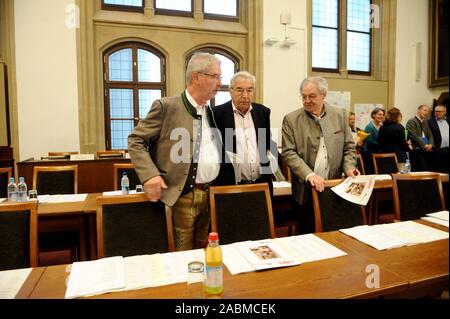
x=111, y=153
x=62, y=153
x=332, y=212
x=119, y=168
x=385, y=163
x=360, y=164
x=131, y=225
x=55, y=179
x=5, y=175
x=241, y=212
x=416, y=195
x=18, y=235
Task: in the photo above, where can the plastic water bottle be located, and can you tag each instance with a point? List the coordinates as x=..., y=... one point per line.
x=214, y=268
x=125, y=183
x=22, y=190
x=12, y=190
x=407, y=168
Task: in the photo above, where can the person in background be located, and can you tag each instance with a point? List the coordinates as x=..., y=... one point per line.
x=422, y=140
x=391, y=136
x=245, y=130
x=317, y=145
x=176, y=153
x=371, y=142
x=351, y=122
x=440, y=129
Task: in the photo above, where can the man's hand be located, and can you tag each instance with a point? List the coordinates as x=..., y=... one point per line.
x=352, y=172
x=317, y=182
x=153, y=188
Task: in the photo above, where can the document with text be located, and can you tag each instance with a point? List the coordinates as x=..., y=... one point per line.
x=11, y=281
x=356, y=190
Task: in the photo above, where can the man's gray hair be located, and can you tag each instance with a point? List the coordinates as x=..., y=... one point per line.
x=321, y=83
x=199, y=62
x=245, y=75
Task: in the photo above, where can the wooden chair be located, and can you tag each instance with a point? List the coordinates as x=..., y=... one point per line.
x=332, y=212
x=111, y=153
x=132, y=225
x=360, y=164
x=62, y=153
x=18, y=235
x=119, y=168
x=385, y=163
x=416, y=195
x=5, y=176
x=55, y=179
x=241, y=212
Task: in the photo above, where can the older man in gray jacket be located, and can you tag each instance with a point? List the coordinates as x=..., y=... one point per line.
x=317, y=145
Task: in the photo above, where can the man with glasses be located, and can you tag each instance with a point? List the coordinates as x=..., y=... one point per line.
x=317, y=145
x=245, y=130
x=439, y=128
x=176, y=152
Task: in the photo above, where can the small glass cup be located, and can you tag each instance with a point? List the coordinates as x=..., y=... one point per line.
x=139, y=189
x=32, y=194
x=195, y=280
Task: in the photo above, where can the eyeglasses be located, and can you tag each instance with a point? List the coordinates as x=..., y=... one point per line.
x=310, y=97
x=215, y=76
x=241, y=91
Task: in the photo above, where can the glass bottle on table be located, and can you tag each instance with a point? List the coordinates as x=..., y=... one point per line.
x=22, y=190
x=213, y=268
x=12, y=190
x=125, y=184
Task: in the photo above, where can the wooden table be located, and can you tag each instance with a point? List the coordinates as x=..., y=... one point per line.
x=404, y=272
x=94, y=176
x=72, y=216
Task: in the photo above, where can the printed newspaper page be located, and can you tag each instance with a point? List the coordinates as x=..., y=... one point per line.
x=356, y=190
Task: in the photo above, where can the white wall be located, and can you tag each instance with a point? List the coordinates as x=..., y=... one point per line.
x=412, y=28
x=46, y=78
x=284, y=68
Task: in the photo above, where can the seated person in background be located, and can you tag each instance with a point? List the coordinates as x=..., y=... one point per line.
x=391, y=137
x=440, y=129
x=422, y=140
x=371, y=142
x=351, y=122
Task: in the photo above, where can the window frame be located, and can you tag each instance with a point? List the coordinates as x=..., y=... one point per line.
x=222, y=17
x=329, y=70
x=342, y=66
x=133, y=85
x=370, y=51
x=214, y=50
x=172, y=12
x=125, y=8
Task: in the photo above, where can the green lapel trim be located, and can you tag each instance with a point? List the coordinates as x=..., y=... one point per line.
x=189, y=107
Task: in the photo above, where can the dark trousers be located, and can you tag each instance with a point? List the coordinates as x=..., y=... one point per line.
x=262, y=179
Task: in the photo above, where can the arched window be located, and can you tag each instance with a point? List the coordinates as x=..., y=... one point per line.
x=134, y=76
x=229, y=66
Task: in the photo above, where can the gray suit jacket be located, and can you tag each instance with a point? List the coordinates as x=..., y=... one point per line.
x=301, y=135
x=415, y=128
x=157, y=141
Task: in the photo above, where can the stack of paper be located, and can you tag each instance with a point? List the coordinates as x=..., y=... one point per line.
x=441, y=218
x=62, y=198
x=274, y=253
x=11, y=281
x=387, y=236
x=136, y=272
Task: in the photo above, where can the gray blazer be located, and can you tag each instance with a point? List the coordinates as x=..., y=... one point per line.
x=301, y=135
x=415, y=128
x=162, y=144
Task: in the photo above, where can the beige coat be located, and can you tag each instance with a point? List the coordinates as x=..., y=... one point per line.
x=301, y=135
